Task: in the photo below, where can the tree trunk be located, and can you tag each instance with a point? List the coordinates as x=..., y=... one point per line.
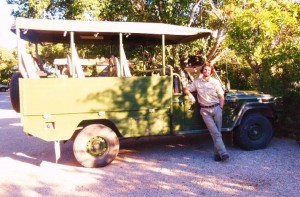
x=212, y=52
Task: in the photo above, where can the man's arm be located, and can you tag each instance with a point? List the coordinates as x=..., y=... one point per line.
x=186, y=91
x=220, y=94
x=221, y=100
x=191, y=97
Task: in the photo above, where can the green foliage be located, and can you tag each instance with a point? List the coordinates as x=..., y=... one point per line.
x=50, y=52
x=262, y=31
x=265, y=35
x=289, y=123
x=7, y=63
x=147, y=11
x=238, y=75
x=29, y=8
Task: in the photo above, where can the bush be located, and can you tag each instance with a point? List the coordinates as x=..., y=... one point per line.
x=290, y=121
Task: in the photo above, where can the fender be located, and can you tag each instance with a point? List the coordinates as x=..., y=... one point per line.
x=266, y=109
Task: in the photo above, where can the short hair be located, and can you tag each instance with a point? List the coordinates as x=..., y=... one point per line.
x=208, y=65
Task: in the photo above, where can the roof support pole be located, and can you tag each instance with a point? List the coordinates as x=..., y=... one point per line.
x=36, y=50
x=20, y=44
x=144, y=61
x=19, y=48
x=72, y=52
x=120, y=54
x=164, y=55
x=38, y=58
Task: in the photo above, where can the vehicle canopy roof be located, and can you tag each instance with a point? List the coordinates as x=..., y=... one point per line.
x=105, y=32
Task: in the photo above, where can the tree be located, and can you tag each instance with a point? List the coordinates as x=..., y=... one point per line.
x=266, y=35
x=7, y=63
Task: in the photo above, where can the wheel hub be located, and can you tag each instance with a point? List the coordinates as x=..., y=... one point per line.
x=96, y=146
x=255, y=132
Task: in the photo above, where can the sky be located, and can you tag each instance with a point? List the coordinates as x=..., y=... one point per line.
x=7, y=38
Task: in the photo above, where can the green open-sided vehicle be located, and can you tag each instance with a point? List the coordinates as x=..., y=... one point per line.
x=96, y=111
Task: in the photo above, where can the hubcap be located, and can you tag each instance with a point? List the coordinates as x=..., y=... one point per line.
x=96, y=146
x=255, y=132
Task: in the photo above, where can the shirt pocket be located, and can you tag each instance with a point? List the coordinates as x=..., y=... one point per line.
x=210, y=86
x=210, y=90
x=200, y=88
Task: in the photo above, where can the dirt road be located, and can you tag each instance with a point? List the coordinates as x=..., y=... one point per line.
x=165, y=166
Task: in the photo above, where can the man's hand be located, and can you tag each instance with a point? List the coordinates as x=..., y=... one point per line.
x=192, y=98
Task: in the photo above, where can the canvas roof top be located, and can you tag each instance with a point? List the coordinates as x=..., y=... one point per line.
x=105, y=32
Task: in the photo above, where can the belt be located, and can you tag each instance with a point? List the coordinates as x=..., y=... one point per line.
x=211, y=106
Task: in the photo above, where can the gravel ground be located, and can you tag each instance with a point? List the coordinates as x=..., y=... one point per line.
x=163, y=166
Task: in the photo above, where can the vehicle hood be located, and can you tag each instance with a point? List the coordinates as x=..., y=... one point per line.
x=242, y=94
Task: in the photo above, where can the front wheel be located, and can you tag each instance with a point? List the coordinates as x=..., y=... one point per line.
x=96, y=146
x=255, y=132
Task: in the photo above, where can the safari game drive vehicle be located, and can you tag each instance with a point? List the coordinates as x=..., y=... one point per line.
x=96, y=112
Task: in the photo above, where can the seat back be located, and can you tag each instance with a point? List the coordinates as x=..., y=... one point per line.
x=30, y=66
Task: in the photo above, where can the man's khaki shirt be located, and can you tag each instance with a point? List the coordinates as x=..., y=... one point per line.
x=208, y=91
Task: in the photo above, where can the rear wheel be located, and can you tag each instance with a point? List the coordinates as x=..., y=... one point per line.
x=96, y=146
x=255, y=132
x=14, y=91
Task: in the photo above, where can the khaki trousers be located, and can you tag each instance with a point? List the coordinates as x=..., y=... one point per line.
x=213, y=120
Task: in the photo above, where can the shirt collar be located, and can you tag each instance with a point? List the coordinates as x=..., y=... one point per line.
x=205, y=80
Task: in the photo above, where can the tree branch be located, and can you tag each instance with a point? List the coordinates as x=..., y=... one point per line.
x=215, y=11
x=197, y=3
x=219, y=39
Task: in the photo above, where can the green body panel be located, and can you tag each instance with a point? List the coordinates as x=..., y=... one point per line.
x=235, y=100
x=178, y=109
x=52, y=108
x=186, y=116
x=187, y=119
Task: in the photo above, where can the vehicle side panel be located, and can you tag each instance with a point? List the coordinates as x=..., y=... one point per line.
x=186, y=116
x=138, y=106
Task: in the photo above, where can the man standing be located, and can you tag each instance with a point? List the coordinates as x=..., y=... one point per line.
x=210, y=96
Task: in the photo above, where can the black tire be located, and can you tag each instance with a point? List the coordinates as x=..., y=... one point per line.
x=96, y=146
x=2, y=89
x=14, y=91
x=255, y=132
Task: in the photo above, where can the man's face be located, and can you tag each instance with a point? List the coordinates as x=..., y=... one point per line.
x=206, y=71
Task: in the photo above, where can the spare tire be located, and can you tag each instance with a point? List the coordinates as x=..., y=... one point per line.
x=14, y=91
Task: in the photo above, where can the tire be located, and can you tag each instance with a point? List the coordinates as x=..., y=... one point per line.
x=2, y=89
x=14, y=91
x=96, y=146
x=255, y=132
